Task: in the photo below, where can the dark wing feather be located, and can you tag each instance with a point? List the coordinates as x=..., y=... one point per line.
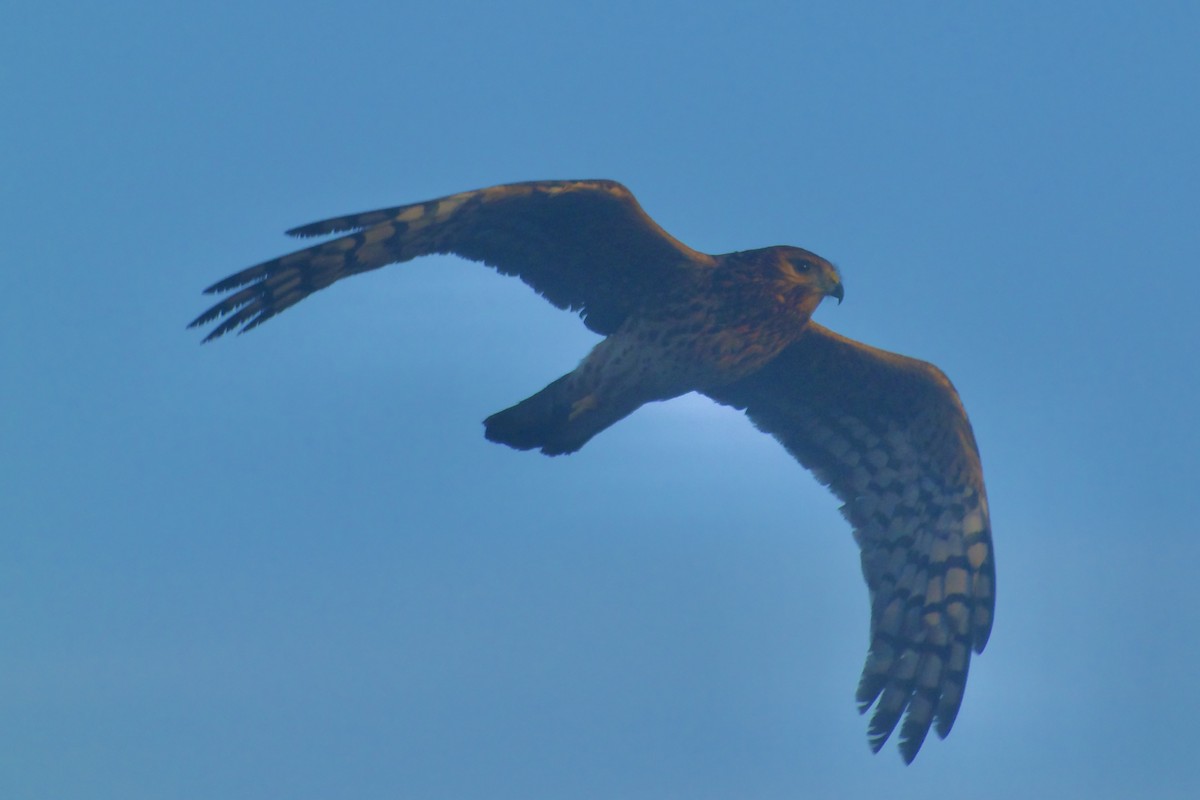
x=586, y=246
x=890, y=438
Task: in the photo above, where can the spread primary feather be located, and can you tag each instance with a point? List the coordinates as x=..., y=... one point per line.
x=886, y=433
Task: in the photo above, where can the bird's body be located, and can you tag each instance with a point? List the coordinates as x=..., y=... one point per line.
x=721, y=324
x=887, y=433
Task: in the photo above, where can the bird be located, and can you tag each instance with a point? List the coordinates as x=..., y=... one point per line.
x=887, y=434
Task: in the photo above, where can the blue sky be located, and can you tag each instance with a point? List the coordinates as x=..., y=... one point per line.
x=289, y=565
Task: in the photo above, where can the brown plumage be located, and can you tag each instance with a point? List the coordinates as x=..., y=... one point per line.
x=886, y=433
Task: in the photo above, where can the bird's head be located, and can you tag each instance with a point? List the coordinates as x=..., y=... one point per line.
x=791, y=279
x=800, y=272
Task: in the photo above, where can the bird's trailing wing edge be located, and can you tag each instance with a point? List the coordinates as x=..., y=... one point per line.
x=889, y=436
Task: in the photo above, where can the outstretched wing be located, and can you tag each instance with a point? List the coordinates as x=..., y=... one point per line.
x=586, y=246
x=890, y=438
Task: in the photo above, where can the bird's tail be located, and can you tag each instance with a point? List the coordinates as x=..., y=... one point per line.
x=559, y=419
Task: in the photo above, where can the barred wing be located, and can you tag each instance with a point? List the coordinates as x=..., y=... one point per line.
x=890, y=438
x=586, y=246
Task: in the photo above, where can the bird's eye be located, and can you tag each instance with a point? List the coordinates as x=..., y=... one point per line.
x=802, y=265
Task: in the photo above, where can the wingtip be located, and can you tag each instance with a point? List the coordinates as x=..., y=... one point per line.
x=908, y=752
x=945, y=721
x=203, y=319
x=914, y=732
x=228, y=284
x=211, y=315
x=301, y=232
x=876, y=740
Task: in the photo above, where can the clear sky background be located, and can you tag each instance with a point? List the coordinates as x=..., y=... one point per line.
x=288, y=565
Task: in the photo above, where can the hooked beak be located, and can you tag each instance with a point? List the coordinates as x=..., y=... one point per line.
x=837, y=292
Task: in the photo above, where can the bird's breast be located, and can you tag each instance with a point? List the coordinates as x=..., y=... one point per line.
x=710, y=345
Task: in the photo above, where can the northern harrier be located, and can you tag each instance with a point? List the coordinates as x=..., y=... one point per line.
x=886, y=433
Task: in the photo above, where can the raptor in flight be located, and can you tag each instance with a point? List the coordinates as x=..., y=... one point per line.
x=886, y=433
